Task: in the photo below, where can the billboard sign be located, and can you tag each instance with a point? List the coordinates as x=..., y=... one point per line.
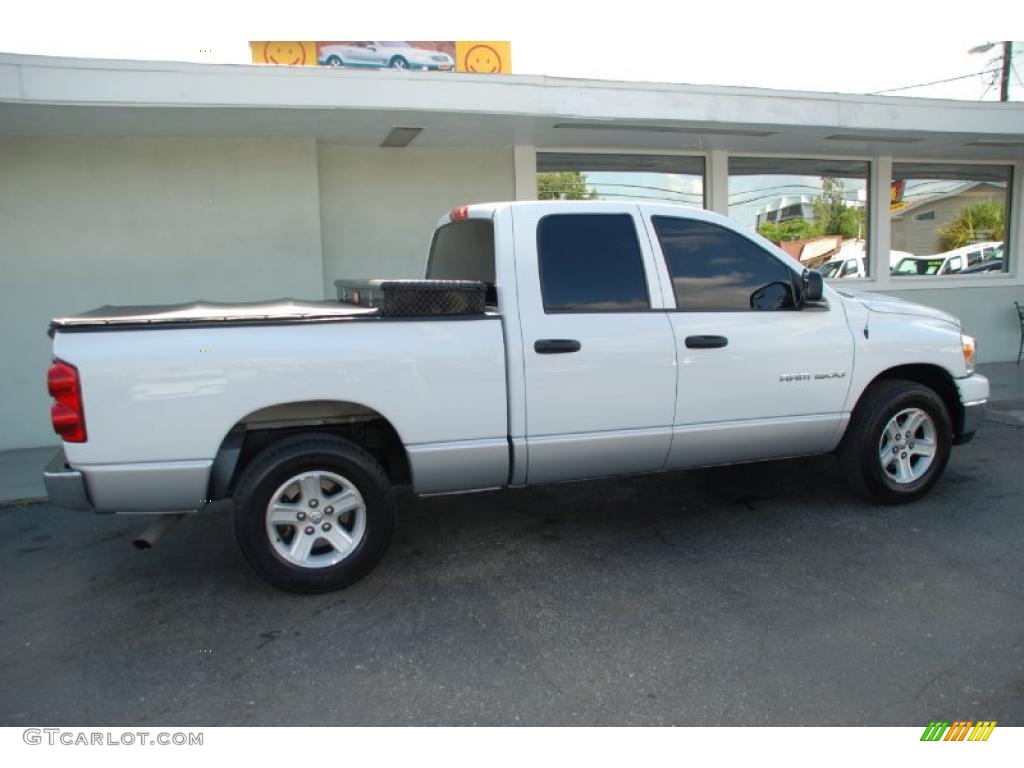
x=896, y=190
x=482, y=57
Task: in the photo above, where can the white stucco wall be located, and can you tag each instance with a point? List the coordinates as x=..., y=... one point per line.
x=87, y=222
x=378, y=206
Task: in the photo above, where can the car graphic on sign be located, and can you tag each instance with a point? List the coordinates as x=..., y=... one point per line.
x=383, y=55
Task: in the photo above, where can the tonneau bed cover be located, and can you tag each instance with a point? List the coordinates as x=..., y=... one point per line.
x=209, y=312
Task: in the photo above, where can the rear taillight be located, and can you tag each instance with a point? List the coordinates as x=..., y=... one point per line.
x=67, y=414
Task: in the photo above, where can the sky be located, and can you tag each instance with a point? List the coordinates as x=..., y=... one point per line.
x=858, y=46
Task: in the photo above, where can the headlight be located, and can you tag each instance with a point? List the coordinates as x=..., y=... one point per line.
x=968, y=344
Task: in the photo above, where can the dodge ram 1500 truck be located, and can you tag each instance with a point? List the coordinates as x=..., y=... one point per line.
x=615, y=338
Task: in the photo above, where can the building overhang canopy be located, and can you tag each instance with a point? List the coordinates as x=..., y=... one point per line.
x=45, y=96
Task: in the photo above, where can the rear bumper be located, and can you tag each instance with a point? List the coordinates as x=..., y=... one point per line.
x=139, y=488
x=65, y=486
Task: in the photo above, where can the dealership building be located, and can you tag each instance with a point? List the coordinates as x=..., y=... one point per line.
x=125, y=182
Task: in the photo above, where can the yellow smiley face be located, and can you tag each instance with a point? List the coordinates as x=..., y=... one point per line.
x=284, y=52
x=483, y=59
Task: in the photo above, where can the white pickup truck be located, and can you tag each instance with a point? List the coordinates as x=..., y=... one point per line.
x=615, y=338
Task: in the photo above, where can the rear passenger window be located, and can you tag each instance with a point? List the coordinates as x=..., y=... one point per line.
x=716, y=270
x=464, y=250
x=591, y=263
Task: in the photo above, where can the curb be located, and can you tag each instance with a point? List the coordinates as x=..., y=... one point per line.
x=24, y=501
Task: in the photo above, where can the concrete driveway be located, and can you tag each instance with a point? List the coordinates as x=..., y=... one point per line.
x=754, y=595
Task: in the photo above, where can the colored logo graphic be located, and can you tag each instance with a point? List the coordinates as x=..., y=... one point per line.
x=293, y=53
x=485, y=57
x=482, y=58
x=896, y=190
x=286, y=52
x=960, y=730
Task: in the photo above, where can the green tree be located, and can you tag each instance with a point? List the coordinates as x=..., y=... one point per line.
x=983, y=220
x=564, y=185
x=791, y=229
x=831, y=213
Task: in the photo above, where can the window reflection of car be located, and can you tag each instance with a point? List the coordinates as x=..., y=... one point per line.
x=382, y=55
x=855, y=267
x=928, y=265
x=992, y=265
x=956, y=261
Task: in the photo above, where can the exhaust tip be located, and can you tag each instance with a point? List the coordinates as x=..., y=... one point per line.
x=162, y=525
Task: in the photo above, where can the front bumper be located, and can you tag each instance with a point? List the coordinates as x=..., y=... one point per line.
x=65, y=486
x=974, y=414
x=974, y=393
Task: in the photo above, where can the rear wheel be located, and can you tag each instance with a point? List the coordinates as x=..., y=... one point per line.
x=898, y=442
x=313, y=513
x=334, y=61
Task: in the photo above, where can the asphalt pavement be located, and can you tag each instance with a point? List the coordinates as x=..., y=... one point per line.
x=755, y=595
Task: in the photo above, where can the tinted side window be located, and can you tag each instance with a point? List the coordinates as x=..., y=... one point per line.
x=590, y=263
x=713, y=269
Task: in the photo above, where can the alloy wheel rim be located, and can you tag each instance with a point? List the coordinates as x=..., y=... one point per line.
x=908, y=446
x=316, y=519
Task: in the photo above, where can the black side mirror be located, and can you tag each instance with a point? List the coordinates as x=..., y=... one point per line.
x=813, y=285
x=772, y=296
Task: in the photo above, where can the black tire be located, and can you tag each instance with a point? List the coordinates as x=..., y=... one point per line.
x=398, y=62
x=292, y=456
x=334, y=61
x=859, y=451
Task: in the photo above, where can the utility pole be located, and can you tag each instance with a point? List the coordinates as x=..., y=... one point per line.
x=1004, y=76
x=1004, y=79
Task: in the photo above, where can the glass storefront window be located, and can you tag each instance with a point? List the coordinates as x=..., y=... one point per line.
x=949, y=219
x=815, y=210
x=658, y=178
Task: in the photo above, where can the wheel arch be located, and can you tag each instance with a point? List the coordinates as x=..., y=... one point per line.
x=357, y=422
x=933, y=376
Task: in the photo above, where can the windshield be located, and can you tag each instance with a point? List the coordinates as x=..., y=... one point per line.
x=910, y=266
x=831, y=269
x=394, y=44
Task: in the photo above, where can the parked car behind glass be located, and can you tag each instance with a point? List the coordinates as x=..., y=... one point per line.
x=950, y=262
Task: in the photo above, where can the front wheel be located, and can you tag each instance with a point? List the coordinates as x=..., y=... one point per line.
x=898, y=442
x=313, y=513
x=399, y=62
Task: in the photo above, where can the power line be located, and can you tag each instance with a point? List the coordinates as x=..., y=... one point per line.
x=679, y=192
x=936, y=82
